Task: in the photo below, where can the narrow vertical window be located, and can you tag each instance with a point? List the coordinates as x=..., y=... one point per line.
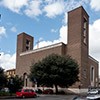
x=84, y=73
x=25, y=79
x=92, y=74
x=85, y=30
x=27, y=44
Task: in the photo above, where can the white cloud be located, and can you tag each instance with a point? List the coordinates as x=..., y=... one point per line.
x=94, y=34
x=95, y=4
x=42, y=44
x=65, y=20
x=63, y=34
x=95, y=38
x=7, y=61
x=54, y=30
x=14, y=5
x=72, y=4
x=2, y=31
x=33, y=9
x=57, y=7
x=62, y=38
x=50, y=1
x=54, y=9
x=13, y=29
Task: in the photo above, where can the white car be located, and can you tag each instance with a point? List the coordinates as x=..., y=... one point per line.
x=5, y=89
x=93, y=95
x=93, y=91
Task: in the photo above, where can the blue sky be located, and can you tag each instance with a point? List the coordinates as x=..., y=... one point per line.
x=46, y=20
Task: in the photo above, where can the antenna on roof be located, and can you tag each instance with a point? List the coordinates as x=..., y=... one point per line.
x=0, y=52
x=0, y=16
x=39, y=42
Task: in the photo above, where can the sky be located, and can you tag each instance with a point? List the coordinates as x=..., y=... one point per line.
x=46, y=21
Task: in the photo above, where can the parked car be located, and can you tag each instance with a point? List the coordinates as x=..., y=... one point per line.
x=48, y=91
x=26, y=93
x=93, y=94
x=4, y=90
x=39, y=91
x=93, y=91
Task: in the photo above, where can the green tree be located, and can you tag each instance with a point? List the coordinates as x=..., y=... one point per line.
x=15, y=83
x=3, y=78
x=55, y=70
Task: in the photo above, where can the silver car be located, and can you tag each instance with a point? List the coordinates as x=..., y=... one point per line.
x=93, y=94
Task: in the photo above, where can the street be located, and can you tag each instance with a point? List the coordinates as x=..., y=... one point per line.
x=46, y=97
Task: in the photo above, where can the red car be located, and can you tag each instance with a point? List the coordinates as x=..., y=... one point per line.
x=48, y=91
x=26, y=93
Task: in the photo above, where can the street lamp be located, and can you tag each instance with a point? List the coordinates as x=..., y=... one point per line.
x=80, y=86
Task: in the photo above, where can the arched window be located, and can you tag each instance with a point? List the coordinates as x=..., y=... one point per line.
x=85, y=31
x=92, y=73
x=92, y=76
x=25, y=79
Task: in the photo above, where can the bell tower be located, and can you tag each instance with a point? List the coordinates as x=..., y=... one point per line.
x=24, y=43
x=78, y=23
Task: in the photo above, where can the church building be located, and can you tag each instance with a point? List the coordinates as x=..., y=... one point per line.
x=77, y=47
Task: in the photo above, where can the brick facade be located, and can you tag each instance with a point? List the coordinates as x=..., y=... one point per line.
x=77, y=48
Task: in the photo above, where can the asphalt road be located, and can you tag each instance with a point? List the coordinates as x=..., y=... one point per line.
x=45, y=97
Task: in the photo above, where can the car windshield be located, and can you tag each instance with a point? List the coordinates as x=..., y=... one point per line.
x=32, y=90
x=19, y=90
x=28, y=90
x=93, y=92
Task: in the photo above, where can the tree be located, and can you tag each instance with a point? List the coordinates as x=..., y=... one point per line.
x=15, y=83
x=55, y=70
x=3, y=78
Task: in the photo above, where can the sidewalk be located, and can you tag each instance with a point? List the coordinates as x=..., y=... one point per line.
x=7, y=97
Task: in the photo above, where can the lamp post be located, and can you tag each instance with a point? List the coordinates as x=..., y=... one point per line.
x=80, y=86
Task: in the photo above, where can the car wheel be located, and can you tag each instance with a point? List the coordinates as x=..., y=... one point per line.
x=23, y=96
x=35, y=96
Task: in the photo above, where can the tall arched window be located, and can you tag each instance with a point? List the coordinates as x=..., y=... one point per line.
x=25, y=79
x=85, y=31
x=92, y=75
